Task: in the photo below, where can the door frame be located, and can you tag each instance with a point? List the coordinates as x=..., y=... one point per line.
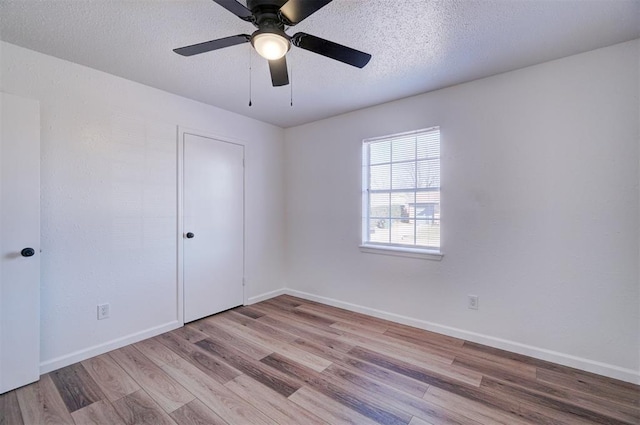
x=182, y=131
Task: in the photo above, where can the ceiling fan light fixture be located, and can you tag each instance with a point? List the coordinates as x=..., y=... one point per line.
x=270, y=45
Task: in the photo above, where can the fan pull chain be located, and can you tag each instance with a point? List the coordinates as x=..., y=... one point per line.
x=291, y=79
x=250, y=76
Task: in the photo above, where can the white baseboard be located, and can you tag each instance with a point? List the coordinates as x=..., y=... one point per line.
x=611, y=371
x=266, y=296
x=96, y=350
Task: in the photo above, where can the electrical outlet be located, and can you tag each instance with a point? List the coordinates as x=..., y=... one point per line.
x=473, y=302
x=103, y=311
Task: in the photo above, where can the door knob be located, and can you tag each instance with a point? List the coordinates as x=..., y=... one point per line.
x=27, y=252
x=190, y=235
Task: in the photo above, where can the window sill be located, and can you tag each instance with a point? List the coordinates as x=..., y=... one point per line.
x=424, y=254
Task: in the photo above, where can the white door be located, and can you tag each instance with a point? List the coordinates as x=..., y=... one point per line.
x=213, y=239
x=19, y=242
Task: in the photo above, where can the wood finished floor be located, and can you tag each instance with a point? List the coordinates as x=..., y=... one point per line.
x=292, y=361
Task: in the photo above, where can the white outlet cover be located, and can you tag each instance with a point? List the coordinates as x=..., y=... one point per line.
x=103, y=311
x=473, y=302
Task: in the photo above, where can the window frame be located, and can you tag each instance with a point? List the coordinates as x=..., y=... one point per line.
x=403, y=250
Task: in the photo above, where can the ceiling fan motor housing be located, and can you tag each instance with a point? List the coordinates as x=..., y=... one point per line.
x=266, y=13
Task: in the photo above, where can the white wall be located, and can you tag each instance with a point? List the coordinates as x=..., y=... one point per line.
x=540, y=205
x=109, y=201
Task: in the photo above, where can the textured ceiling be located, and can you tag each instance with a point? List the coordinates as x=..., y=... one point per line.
x=417, y=46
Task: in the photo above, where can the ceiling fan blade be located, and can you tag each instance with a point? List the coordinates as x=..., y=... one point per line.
x=295, y=11
x=208, y=46
x=331, y=50
x=236, y=8
x=279, y=74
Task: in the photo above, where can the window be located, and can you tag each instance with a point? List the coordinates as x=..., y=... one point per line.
x=401, y=192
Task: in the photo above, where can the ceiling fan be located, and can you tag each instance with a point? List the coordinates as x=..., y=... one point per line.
x=270, y=40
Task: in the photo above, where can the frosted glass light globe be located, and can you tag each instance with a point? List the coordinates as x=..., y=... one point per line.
x=270, y=46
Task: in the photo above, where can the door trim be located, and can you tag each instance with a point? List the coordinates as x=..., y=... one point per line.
x=182, y=131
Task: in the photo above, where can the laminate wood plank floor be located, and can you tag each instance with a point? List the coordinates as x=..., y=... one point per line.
x=288, y=361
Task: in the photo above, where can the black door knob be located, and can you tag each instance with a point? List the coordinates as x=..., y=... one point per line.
x=27, y=252
x=190, y=235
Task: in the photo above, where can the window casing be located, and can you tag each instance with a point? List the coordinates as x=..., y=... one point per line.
x=401, y=192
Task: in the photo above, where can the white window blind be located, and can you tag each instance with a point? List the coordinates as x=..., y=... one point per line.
x=401, y=190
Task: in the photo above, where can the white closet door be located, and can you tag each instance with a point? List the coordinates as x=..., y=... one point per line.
x=213, y=207
x=19, y=242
